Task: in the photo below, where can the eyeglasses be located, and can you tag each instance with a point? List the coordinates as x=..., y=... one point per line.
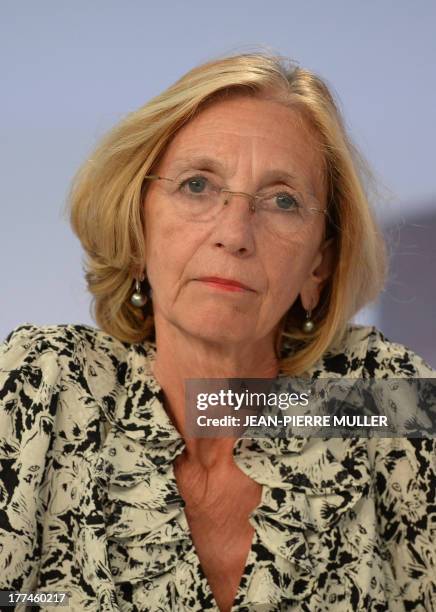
x=283, y=211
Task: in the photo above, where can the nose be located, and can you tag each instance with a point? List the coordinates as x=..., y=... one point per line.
x=234, y=226
x=227, y=194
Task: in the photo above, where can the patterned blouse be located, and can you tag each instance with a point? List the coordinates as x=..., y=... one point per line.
x=89, y=502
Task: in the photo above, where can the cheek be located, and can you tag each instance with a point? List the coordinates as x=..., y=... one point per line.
x=288, y=268
x=169, y=248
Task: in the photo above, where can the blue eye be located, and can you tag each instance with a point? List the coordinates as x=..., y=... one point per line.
x=286, y=201
x=195, y=184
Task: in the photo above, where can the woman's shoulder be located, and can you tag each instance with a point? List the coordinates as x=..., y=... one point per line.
x=29, y=340
x=76, y=363
x=62, y=384
x=365, y=351
x=68, y=347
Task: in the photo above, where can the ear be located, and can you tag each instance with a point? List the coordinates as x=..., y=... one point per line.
x=321, y=270
x=140, y=274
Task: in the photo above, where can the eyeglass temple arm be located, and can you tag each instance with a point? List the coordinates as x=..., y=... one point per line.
x=323, y=210
x=156, y=177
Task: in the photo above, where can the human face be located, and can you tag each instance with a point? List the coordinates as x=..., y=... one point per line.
x=249, y=137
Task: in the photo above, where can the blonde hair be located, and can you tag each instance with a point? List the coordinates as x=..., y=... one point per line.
x=106, y=201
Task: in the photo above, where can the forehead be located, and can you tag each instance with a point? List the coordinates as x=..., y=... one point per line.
x=242, y=129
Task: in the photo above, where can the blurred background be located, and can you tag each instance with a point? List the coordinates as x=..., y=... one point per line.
x=72, y=70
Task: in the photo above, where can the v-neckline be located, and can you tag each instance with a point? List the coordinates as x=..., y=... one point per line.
x=248, y=566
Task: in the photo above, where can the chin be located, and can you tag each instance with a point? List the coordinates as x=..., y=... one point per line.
x=219, y=329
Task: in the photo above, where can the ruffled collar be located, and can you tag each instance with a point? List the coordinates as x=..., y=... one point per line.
x=308, y=484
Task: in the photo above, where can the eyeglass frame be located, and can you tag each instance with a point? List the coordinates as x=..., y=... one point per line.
x=255, y=197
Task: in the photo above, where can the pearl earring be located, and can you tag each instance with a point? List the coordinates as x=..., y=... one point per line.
x=308, y=325
x=137, y=298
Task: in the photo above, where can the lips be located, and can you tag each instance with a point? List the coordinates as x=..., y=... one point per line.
x=229, y=282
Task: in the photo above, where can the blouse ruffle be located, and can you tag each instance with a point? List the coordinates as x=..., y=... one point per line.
x=305, y=489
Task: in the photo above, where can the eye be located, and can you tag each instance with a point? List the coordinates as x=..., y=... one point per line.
x=194, y=184
x=286, y=201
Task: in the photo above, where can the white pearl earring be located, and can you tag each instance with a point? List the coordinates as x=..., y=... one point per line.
x=137, y=298
x=308, y=325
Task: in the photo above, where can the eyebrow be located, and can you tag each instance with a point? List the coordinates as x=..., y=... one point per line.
x=204, y=162
x=198, y=160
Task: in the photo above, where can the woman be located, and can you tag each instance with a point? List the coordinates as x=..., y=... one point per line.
x=227, y=234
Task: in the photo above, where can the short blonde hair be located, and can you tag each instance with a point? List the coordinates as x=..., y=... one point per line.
x=107, y=214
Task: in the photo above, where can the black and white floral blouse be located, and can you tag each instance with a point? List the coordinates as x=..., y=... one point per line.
x=89, y=501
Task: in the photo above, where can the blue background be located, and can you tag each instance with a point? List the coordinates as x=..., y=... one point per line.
x=72, y=70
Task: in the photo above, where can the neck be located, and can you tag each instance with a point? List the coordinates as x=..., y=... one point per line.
x=181, y=356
